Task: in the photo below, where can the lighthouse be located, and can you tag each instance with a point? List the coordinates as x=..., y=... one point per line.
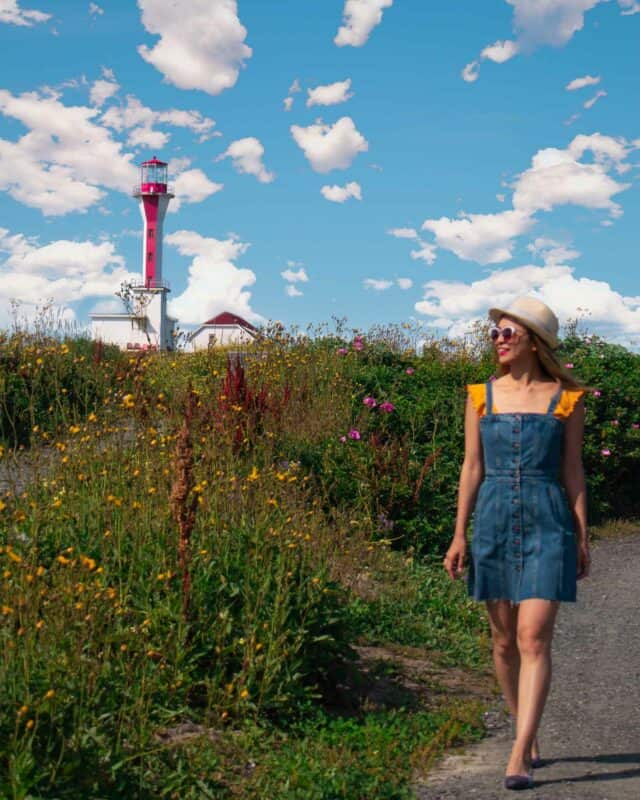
x=153, y=197
x=145, y=325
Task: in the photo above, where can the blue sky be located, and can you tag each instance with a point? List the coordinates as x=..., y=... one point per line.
x=432, y=158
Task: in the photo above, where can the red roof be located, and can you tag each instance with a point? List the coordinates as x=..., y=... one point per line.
x=155, y=161
x=227, y=318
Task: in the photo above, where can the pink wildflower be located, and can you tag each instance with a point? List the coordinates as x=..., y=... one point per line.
x=597, y=393
x=354, y=434
x=605, y=452
x=568, y=366
x=635, y=425
x=388, y=407
x=357, y=343
x=370, y=401
x=342, y=351
x=343, y=438
x=409, y=370
x=615, y=422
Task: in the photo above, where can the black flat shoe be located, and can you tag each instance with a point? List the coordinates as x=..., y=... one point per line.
x=518, y=782
x=536, y=763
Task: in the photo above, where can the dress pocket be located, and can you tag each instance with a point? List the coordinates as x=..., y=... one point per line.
x=559, y=506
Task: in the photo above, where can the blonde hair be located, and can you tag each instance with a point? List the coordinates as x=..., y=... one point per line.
x=549, y=364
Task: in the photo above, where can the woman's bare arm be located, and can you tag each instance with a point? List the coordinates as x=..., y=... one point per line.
x=471, y=476
x=574, y=483
x=573, y=471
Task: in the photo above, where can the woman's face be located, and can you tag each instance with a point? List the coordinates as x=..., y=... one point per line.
x=513, y=342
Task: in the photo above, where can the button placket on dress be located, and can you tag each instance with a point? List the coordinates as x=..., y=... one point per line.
x=516, y=495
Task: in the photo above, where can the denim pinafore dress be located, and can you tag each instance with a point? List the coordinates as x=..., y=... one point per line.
x=523, y=543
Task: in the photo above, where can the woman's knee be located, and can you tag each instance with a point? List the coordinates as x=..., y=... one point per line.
x=505, y=645
x=533, y=641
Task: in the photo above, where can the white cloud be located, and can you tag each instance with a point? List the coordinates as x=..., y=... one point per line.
x=455, y=304
x=630, y=6
x=330, y=94
x=192, y=186
x=12, y=14
x=487, y=238
x=95, y=10
x=471, y=71
x=404, y=283
x=147, y=138
x=558, y=177
x=499, y=52
x=246, y=157
x=359, y=18
x=553, y=22
x=403, y=233
x=62, y=271
x=64, y=159
x=103, y=89
x=552, y=252
x=426, y=252
x=201, y=42
x=214, y=281
x=338, y=194
x=570, y=120
x=288, y=103
x=295, y=87
x=295, y=276
x=140, y=119
x=593, y=100
x=580, y=83
x=292, y=291
x=330, y=147
x=377, y=285
x=537, y=23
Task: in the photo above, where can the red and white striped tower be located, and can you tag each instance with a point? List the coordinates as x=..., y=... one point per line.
x=154, y=196
x=146, y=323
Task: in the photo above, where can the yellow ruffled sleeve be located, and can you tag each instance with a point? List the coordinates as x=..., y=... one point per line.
x=478, y=394
x=568, y=401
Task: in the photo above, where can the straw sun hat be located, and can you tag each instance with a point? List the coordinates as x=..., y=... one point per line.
x=533, y=314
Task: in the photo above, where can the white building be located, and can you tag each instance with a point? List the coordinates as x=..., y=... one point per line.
x=224, y=329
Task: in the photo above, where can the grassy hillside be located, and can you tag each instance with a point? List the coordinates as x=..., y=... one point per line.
x=190, y=596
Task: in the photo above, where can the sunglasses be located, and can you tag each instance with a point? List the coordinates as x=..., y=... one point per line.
x=508, y=333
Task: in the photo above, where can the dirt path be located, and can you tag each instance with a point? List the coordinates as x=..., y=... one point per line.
x=590, y=732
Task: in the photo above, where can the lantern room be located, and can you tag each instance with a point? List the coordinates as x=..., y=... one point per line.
x=153, y=176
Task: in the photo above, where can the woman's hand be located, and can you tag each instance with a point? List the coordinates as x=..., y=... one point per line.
x=454, y=561
x=583, y=559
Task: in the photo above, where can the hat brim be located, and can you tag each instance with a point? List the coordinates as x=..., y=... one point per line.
x=496, y=313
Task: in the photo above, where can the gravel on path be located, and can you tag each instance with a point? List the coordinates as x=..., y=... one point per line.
x=590, y=732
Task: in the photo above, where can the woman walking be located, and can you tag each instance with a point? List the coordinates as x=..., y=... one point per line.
x=523, y=444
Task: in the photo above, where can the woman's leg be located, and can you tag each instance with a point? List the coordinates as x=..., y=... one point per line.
x=535, y=623
x=503, y=619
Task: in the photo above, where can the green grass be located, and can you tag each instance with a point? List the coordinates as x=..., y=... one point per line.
x=209, y=546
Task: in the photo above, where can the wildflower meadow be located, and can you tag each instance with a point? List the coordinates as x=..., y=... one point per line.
x=197, y=552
